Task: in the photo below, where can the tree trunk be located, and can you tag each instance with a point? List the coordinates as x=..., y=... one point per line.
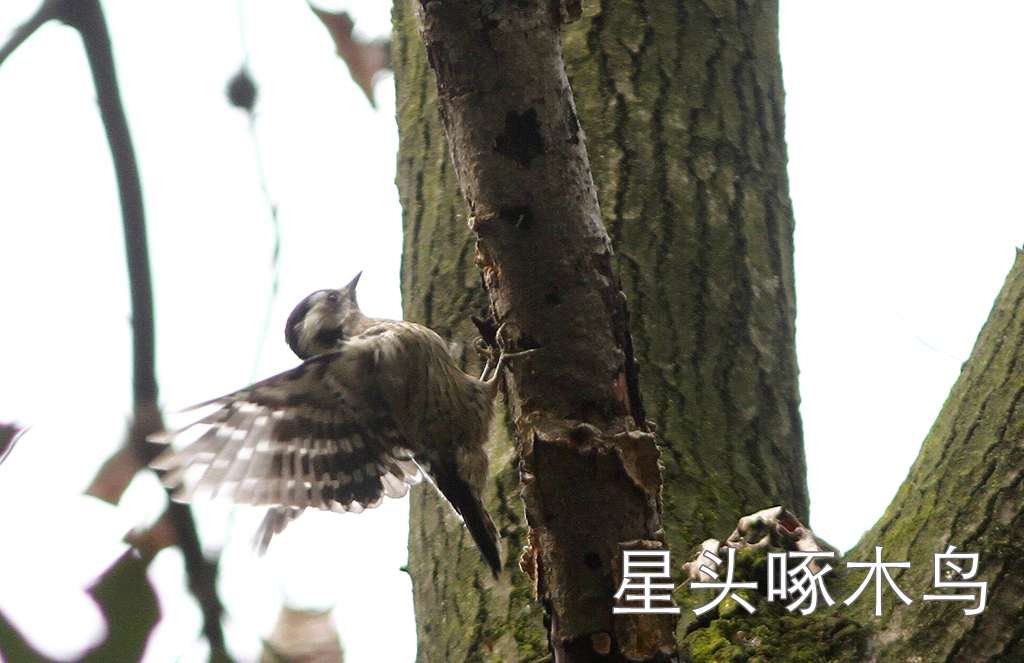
x=460, y=614
x=682, y=103
x=682, y=107
x=965, y=489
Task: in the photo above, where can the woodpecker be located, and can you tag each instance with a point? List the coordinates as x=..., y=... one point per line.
x=374, y=406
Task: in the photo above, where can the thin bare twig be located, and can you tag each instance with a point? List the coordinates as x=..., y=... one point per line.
x=47, y=11
x=249, y=106
x=87, y=17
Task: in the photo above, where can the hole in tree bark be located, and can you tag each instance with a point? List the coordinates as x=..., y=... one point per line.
x=521, y=141
x=520, y=216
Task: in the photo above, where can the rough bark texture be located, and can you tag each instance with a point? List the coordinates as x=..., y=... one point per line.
x=682, y=103
x=590, y=474
x=462, y=614
x=966, y=490
x=682, y=107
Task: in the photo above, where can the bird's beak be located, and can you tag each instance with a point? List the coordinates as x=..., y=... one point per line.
x=352, y=285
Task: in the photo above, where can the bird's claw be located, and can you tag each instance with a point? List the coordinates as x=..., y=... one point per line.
x=493, y=368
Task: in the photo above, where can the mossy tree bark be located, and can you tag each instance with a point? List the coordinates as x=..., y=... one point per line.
x=682, y=103
x=682, y=108
x=966, y=489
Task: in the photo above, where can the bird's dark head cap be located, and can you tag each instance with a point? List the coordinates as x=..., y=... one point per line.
x=322, y=320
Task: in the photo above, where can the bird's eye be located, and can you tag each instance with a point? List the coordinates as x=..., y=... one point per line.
x=332, y=296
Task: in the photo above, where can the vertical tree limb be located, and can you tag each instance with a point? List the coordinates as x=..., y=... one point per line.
x=591, y=481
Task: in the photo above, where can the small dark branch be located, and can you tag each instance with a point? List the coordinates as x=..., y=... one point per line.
x=46, y=11
x=9, y=434
x=202, y=578
x=86, y=16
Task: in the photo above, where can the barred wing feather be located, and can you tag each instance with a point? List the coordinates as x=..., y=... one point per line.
x=315, y=436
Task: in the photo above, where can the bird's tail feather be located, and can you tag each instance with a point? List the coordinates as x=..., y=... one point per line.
x=274, y=522
x=470, y=506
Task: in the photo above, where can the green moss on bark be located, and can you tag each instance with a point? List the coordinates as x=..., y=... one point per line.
x=966, y=489
x=771, y=634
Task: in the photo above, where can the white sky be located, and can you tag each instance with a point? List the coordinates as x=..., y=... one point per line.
x=903, y=129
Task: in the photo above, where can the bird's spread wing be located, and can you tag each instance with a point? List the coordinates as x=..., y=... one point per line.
x=314, y=436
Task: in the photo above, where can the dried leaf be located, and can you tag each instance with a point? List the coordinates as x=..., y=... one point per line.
x=303, y=635
x=114, y=476
x=118, y=471
x=149, y=542
x=364, y=58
